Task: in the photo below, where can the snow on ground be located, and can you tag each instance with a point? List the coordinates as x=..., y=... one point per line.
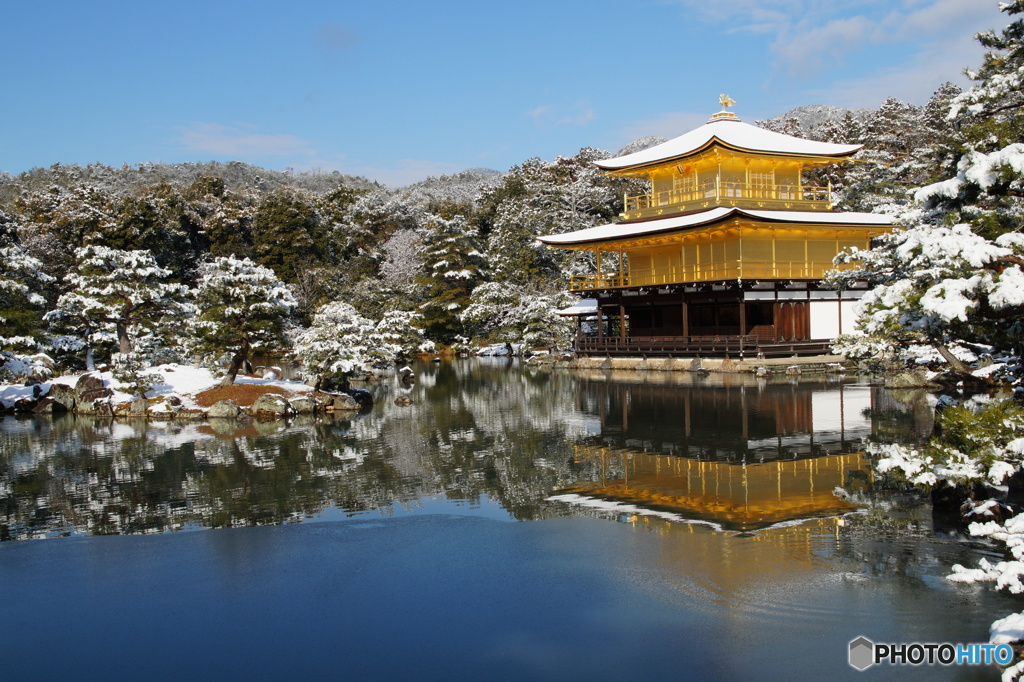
x=180, y=380
x=11, y=393
x=1008, y=630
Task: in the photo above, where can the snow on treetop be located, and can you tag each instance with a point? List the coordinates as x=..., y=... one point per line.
x=731, y=133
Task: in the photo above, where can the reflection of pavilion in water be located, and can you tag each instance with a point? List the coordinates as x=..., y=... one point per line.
x=734, y=496
x=755, y=421
x=743, y=457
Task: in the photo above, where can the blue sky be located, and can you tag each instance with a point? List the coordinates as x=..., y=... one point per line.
x=397, y=91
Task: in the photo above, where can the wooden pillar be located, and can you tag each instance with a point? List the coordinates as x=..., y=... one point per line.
x=686, y=317
x=600, y=322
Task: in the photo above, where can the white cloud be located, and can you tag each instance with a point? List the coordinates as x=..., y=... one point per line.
x=913, y=82
x=811, y=35
x=546, y=116
x=241, y=141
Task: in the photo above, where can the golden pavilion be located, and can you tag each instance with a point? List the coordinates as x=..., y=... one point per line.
x=726, y=252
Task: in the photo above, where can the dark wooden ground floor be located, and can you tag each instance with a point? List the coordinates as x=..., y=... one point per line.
x=738, y=319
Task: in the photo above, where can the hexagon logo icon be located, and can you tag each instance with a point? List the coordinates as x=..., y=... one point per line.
x=862, y=653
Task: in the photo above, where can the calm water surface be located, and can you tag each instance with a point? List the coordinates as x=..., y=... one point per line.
x=513, y=523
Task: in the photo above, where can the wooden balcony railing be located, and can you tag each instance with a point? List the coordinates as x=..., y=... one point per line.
x=710, y=272
x=728, y=193
x=683, y=346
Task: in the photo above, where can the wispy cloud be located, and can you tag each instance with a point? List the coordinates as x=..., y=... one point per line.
x=546, y=116
x=913, y=81
x=811, y=35
x=241, y=141
x=335, y=37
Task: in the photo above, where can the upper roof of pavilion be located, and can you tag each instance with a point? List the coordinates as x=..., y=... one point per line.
x=725, y=130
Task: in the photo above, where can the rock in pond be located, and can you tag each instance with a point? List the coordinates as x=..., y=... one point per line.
x=138, y=408
x=305, y=405
x=270, y=404
x=224, y=409
x=63, y=397
x=342, y=403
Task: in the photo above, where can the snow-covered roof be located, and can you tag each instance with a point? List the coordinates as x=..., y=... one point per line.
x=733, y=133
x=586, y=306
x=615, y=231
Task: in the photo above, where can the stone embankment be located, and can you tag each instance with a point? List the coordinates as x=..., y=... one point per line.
x=821, y=364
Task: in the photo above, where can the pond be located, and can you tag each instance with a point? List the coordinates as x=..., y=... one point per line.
x=512, y=523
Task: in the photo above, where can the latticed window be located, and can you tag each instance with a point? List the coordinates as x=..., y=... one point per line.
x=761, y=184
x=683, y=186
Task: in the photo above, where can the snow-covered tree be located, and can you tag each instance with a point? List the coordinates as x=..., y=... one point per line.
x=401, y=257
x=111, y=290
x=987, y=154
x=398, y=331
x=57, y=221
x=341, y=342
x=954, y=277
x=242, y=307
x=540, y=198
x=21, y=301
x=941, y=287
x=949, y=278
x=518, y=314
x=452, y=265
x=21, y=307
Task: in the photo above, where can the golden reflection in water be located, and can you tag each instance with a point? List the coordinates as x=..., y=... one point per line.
x=735, y=496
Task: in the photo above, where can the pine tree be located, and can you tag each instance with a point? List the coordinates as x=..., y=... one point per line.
x=112, y=290
x=21, y=301
x=947, y=279
x=242, y=307
x=341, y=342
x=157, y=219
x=510, y=313
x=57, y=221
x=452, y=266
x=288, y=233
x=337, y=343
x=541, y=198
x=987, y=154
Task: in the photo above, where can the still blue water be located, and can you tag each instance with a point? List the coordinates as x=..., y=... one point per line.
x=513, y=523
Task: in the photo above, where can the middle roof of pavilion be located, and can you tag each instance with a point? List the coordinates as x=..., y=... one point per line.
x=732, y=135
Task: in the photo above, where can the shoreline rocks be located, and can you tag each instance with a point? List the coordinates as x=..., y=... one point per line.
x=87, y=399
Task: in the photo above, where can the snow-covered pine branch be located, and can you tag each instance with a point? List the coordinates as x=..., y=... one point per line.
x=112, y=289
x=241, y=307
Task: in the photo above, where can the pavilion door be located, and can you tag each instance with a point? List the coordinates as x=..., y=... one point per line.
x=792, y=321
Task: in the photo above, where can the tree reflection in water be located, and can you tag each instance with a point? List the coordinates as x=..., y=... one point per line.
x=477, y=430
